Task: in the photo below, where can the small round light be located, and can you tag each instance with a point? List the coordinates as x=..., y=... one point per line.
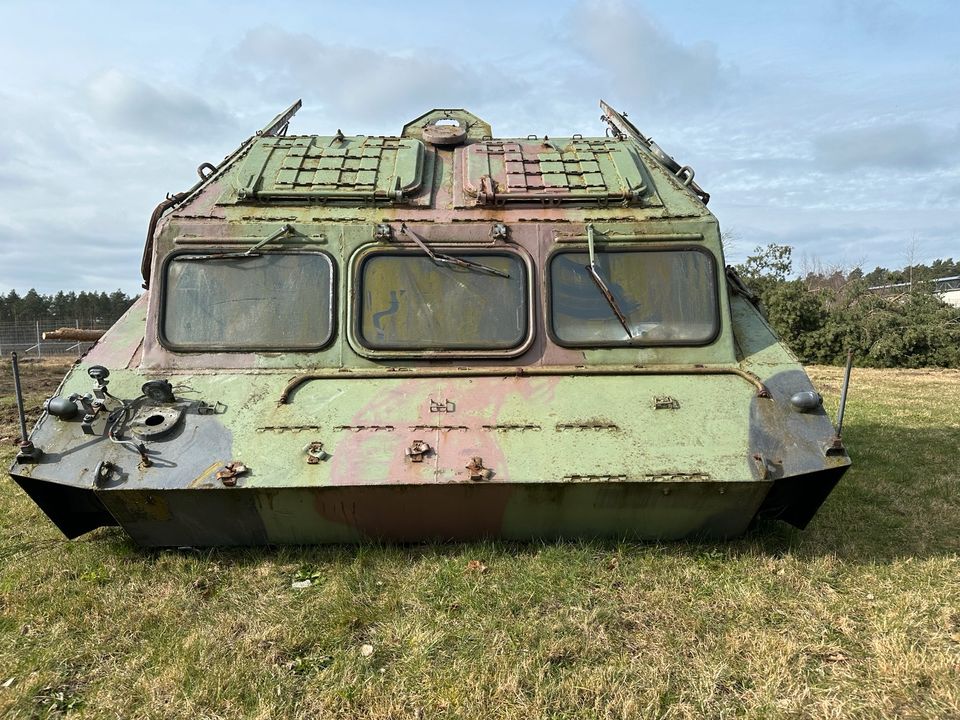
x=61, y=407
x=806, y=401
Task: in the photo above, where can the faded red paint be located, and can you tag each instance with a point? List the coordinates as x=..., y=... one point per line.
x=353, y=452
x=417, y=513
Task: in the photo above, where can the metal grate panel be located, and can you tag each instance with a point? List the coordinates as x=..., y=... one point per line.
x=552, y=171
x=333, y=168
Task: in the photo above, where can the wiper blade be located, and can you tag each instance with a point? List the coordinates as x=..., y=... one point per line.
x=441, y=259
x=252, y=251
x=604, y=290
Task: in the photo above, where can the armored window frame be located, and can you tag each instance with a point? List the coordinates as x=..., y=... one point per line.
x=213, y=347
x=355, y=290
x=635, y=343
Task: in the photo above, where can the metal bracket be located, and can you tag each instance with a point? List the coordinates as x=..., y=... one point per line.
x=834, y=447
x=94, y=407
x=416, y=451
x=498, y=233
x=447, y=406
x=229, y=473
x=665, y=402
x=218, y=408
x=102, y=473
x=315, y=453
x=477, y=471
x=27, y=452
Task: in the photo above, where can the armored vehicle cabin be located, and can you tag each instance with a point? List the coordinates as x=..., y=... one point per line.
x=437, y=335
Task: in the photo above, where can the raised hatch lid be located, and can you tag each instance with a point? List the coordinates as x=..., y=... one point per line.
x=331, y=168
x=552, y=171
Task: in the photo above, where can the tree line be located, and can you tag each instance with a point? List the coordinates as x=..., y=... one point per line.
x=825, y=313
x=820, y=316
x=67, y=307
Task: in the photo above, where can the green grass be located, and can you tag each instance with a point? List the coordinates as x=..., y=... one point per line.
x=858, y=616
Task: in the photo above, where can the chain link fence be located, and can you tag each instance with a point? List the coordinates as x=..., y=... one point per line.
x=26, y=337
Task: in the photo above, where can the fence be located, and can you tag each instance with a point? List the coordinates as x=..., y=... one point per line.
x=26, y=337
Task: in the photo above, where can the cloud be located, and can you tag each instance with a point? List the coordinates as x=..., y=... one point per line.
x=162, y=111
x=882, y=19
x=640, y=62
x=359, y=84
x=904, y=146
x=842, y=237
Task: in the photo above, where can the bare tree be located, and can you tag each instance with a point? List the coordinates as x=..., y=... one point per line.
x=910, y=255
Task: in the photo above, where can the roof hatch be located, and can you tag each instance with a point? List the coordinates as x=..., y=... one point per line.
x=548, y=171
x=363, y=168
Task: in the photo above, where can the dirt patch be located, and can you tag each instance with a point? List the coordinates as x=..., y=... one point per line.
x=39, y=380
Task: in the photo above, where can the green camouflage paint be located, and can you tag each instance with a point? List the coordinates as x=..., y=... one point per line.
x=354, y=440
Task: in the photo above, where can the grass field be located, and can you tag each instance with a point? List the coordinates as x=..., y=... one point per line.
x=858, y=616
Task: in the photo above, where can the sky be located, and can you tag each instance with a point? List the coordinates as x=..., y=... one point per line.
x=832, y=126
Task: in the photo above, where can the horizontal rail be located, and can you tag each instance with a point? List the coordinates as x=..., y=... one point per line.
x=614, y=237
x=337, y=374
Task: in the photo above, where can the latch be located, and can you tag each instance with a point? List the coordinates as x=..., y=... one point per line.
x=665, y=402
x=498, y=233
x=229, y=473
x=102, y=473
x=315, y=453
x=477, y=471
x=416, y=451
x=205, y=408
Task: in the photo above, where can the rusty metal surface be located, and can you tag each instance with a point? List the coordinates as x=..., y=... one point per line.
x=256, y=438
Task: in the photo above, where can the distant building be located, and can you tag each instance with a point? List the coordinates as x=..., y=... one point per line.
x=948, y=289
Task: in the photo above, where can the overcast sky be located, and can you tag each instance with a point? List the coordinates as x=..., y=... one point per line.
x=831, y=125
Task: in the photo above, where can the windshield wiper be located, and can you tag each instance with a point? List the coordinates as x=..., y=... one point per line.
x=604, y=290
x=440, y=258
x=252, y=251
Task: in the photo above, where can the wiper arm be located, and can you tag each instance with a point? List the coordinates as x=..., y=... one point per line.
x=604, y=290
x=252, y=251
x=441, y=259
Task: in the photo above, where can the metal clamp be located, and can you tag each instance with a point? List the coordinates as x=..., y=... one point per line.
x=102, y=473
x=416, y=451
x=665, y=402
x=477, y=471
x=204, y=408
x=383, y=233
x=315, y=453
x=229, y=473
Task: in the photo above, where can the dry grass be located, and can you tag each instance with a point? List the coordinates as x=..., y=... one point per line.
x=858, y=616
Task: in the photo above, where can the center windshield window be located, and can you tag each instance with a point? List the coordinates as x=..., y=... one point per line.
x=268, y=301
x=657, y=297
x=415, y=302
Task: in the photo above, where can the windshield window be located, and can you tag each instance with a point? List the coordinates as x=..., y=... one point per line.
x=667, y=297
x=410, y=302
x=273, y=301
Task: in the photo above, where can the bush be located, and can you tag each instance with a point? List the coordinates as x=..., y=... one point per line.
x=823, y=316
